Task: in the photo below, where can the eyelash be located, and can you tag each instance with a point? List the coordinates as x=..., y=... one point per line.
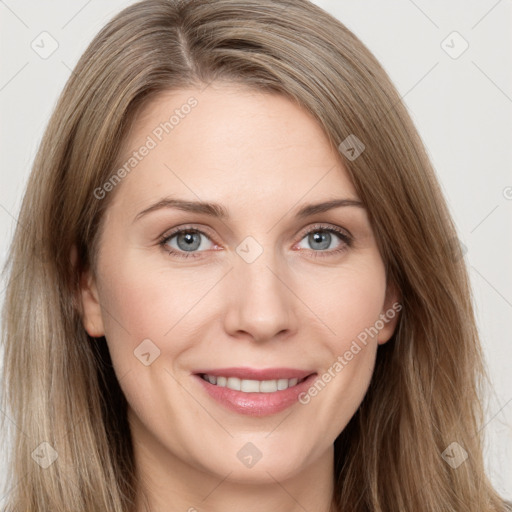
x=346, y=239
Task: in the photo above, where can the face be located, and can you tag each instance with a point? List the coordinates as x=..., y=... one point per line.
x=260, y=292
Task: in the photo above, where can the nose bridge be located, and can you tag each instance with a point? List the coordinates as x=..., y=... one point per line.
x=260, y=303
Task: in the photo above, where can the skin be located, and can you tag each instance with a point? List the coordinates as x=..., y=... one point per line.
x=262, y=158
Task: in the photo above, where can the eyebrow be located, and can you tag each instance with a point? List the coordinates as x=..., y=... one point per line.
x=218, y=211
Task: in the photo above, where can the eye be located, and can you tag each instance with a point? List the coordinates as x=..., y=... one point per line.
x=186, y=242
x=325, y=240
x=189, y=242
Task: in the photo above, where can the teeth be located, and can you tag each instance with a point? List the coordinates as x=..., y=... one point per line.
x=252, y=386
x=233, y=383
x=282, y=384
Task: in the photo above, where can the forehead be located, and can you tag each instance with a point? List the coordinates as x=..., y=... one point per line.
x=230, y=144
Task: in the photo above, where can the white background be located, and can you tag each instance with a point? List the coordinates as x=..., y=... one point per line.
x=462, y=108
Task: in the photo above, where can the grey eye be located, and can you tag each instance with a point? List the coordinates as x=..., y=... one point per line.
x=188, y=241
x=320, y=239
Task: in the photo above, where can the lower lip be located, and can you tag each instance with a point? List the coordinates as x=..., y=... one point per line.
x=256, y=404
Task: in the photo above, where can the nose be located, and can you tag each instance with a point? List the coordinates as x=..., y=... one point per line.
x=260, y=301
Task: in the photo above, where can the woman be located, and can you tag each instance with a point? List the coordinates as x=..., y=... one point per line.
x=234, y=283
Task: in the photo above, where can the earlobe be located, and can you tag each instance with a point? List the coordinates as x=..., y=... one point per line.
x=390, y=313
x=92, y=319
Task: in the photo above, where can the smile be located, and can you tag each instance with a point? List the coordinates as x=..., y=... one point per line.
x=252, y=386
x=254, y=392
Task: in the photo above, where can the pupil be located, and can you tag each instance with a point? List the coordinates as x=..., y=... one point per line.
x=323, y=239
x=190, y=242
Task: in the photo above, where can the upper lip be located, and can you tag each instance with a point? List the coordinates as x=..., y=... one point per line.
x=256, y=373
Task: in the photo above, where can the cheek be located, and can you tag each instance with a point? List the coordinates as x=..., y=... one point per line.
x=349, y=301
x=349, y=305
x=144, y=300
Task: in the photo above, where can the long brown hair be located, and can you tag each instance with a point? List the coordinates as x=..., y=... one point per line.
x=59, y=385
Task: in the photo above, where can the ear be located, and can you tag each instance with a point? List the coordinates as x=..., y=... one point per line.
x=91, y=309
x=390, y=313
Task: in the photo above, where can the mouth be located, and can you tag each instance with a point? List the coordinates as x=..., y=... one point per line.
x=251, y=385
x=255, y=392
